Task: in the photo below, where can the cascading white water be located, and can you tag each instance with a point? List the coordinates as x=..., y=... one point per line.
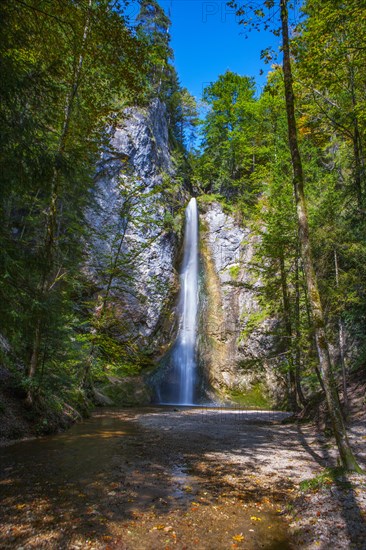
x=184, y=352
x=178, y=386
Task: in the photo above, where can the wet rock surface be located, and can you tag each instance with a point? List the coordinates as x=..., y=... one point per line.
x=166, y=478
x=240, y=359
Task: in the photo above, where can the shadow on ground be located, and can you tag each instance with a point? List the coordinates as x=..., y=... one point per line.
x=156, y=479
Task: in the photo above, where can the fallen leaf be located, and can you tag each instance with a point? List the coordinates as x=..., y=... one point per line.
x=102, y=519
x=254, y=518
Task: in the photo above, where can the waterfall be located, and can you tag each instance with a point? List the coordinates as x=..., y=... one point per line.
x=184, y=353
x=179, y=385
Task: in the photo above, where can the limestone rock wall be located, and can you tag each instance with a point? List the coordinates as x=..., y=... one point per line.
x=134, y=240
x=232, y=359
x=130, y=236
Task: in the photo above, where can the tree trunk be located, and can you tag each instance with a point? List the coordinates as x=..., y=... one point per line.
x=300, y=393
x=113, y=269
x=341, y=342
x=288, y=329
x=313, y=351
x=358, y=168
x=34, y=360
x=339, y=430
x=359, y=171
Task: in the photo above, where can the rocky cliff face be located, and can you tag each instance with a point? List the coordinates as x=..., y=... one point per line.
x=133, y=255
x=133, y=252
x=234, y=357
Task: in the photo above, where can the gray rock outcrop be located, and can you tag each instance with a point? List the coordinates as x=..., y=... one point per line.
x=235, y=354
x=133, y=252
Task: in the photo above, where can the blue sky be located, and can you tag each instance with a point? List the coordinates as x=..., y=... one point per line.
x=207, y=40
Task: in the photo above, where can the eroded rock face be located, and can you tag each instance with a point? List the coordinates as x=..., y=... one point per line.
x=234, y=357
x=133, y=253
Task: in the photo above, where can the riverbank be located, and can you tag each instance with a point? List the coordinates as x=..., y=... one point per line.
x=47, y=416
x=191, y=478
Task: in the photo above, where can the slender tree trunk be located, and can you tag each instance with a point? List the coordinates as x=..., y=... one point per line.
x=126, y=215
x=358, y=168
x=313, y=351
x=300, y=393
x=288, y=329
x=86, y=384
x=34, y=360
x=357, y=144
x=345, y=451
x=341, y=342
x=112, y=273
x=86, y=381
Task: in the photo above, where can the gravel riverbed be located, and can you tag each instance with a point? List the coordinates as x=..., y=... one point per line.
x=164, y=478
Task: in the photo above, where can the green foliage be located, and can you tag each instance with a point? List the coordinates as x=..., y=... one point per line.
x=333, y=122
x=327, y=478
x=65, y=74
x=153, y=29
x=253, y=321
x=254, y=398
x=234, y=271
x=331, y=133
x=171, y=198
x=228, y=133
x=209, y=198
